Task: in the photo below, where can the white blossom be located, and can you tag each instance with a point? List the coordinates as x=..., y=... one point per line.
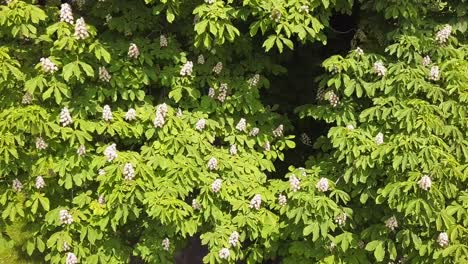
x=66, y=14
x=212, y=163
x=81, y=32
x=278, y=132
x=128, y=171
x=27, y=99
x=443, y=35
x=233, y=150
x=81, y=151
x=379, y=68
x=210, y=1
x=322, y=185
x=65, y=117
x=256, y=202
x=159, y=120
x=359, y=51
x=426, y=61
x=101, y=172
x=218, y=68
x=275, y=15
x=216, y=185
x=211, y=92
x=166, y=244
x=196, y=205
x=254, y=80
x=234, y=239
x=379, y=139
x=242, y=125
x=187, y=69
x=294, y=183
x=17, y=185
x=304, y=9
x=341, y=219
x=223, y=89
x=201, y=59
x=101, y=200
x=320, y=94
x=350, y=127
x=267, y=146
x=104, y=74
x=391, y=223
x=133, y=51
x=425, y=182
x=162, y=41
x=40, y=143
x=40, y=183
x=111, y=152
x=333, y=99
x=130, y=115
x=65, y=246
x=48, y=66
x=162, y=108
x=179, y=112
x=107, y=113
x=108, y=18
x=200, y=125
x=224, y=252
x=282, y=200
x=71, y=258
x=65, y=217
x=434, y=73
x=254, y=131
x=305, y=139
x=443, y=239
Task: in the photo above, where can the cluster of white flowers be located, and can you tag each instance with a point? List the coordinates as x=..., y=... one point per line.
x=107, y=113
x=212, y=163
x=224, y=252
x=111, y=152
x=278, y=132
x=162, y=41
x=233, y=150
x=27, y=99
x=304, y=9
x=320, y=94
x=295, y=183
x=303, y=171
x=40, y=183
x=17, y=185
x=81, y=151
x=218, y=68
x=66, y=14
x=71, y=258
x=108, y=18
x=256, y=202
x=359, y=51
x=443, y=35
x=101, y=200
x=379, y=68
x=443, y=239
x=333, y=99
x=200, y=125
x=65, y=217
x=322, y=185
x=104, y=74
x=391, y=223
x=211, y=92
x=223, y=89
x=186, y=69
x=282, y=200
x=81, y=32
x=267, y=146
x=434, y=73
x=130, y=115
x=210, y=1
x=201, y=59
x=40, y=143
x=341, y=219
x=161, y=112
x=133, y=51
x=128, y=171
x=65, y=246
x=234, y=239
x=196, y=205
x=425, y=182
x=254, y=80
x=426, y=61
x=305, y=139
x=65, y=117
x=275, y=15
x=216, y=185
x=48, y=66
x=101, y=172
x=242, y=125
x=179, y=112
x=165, y=244
x=254, y=131
x=379, y=139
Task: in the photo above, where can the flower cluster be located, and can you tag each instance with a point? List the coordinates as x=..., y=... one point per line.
x=333, y=99
x=379, y=68
x=443, y=35
x=216, y=185
x=81, y=151
x=359, y=51
x=341, y=219
x=65, y=246
x=254, y=80
x=40, y=143
x=282, y=200
x=17, y=185
x=425, y=182
x=128, y=171
x=223, y=89
x=81, y=32
x=187, y=69
x=40, y=183
x=426, y=61
x=104, y=74
x=320, y=94
x=71, y=258
x=322, y=185
x=130, y=115
x=133, y=51
x=66, y=14
x=162, y=41
x=234, y=238
x=65, y=117
x=111, y=152
x=166, y=244
x=278, y=132
x=379, y=139
x=224, y=252
x=201, y=59
x=254, y=131
x=27, y=99
x=101, y=172
x=210, y=1
x=196, y=205
x=200, y=125
x=350, y=127
x=48, y=66
x=267, y=146
x=212, y=163
x=294, y=183
x=161, y=112
x=107, y=113
x=304, y=9
x=233, y=150
x=218, y=68
x=101, y=200
x=211, y=92
x=65, y=217
x=256, y=202
x=391, y=223
x=242, y=125
x=434, y=73
x=305, y=139
x=443, y=239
